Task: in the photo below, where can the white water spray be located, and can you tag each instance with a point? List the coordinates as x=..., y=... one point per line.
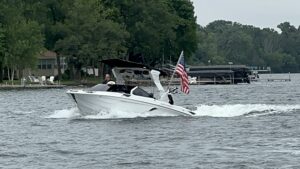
x=231, y=110
x=64, y=114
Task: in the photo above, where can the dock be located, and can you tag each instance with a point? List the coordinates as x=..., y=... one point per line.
x=220, y=74
x=176, y=81
x=278, y=80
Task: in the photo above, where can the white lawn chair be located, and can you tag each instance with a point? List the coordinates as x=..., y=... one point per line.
x=43, y=80
x=51, y=80
x=192, y=80
x=33, y=79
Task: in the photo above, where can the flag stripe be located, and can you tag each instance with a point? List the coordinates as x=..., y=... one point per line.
x=180, y=70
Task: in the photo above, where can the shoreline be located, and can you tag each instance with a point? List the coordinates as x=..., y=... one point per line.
x=22, y=87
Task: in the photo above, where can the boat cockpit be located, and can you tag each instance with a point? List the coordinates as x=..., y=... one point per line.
x=126, y=89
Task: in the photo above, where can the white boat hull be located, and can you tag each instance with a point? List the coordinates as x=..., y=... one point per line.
x=93, y=103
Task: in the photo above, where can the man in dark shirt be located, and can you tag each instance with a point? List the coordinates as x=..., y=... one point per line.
x=106, y=79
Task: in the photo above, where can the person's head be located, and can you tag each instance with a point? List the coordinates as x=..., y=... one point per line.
x=107, y=77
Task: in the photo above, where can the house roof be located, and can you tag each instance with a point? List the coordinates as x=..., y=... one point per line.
x=48, y=55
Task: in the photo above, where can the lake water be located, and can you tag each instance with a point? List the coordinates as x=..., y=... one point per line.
x=236, y=126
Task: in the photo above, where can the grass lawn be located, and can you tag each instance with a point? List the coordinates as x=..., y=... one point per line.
x=7, y=82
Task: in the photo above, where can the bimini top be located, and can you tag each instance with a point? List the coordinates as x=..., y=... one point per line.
x=123, y=63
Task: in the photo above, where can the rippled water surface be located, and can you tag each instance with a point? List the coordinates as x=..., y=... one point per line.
x=236, y=126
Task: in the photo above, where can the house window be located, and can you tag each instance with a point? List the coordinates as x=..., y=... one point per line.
x=45, y=64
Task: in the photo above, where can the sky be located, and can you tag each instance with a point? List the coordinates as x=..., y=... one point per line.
x=260, y=13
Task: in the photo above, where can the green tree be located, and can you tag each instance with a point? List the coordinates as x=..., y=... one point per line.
x=156, y=28
x=2, y=51
x=23, y=38
x=223, y=41
x=89, y=36
x=185, y=26
x=290, y=46
x=51, y=14
x=25, y=43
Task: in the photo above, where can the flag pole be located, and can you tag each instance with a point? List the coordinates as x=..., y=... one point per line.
x=172, y=77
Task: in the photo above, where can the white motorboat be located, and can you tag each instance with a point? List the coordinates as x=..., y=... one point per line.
x=126, y=98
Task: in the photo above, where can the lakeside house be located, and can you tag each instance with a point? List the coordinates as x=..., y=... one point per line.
x=47, y=65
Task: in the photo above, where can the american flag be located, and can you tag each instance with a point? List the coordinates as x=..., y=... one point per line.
x=180, y=70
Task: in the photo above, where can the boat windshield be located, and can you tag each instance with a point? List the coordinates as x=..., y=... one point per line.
x=121, y=89
x=99, y=87
x=140, y=92
x=112, y=88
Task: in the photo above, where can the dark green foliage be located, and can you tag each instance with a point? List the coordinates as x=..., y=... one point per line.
x=21, y=39
x=156, y=28
x=86, y=31
x=224, y=41
x=2, y=50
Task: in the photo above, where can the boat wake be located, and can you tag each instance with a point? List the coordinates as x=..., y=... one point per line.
x=64, y=114
x=234, y=110
x=74, y=113
x=231, y=110
x=124, y=115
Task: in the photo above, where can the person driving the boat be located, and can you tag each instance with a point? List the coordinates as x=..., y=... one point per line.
x=107, y=80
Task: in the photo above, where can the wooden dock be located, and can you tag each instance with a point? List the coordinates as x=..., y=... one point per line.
x=278, y=80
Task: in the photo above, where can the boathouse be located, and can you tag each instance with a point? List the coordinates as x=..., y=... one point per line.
x=220, y=74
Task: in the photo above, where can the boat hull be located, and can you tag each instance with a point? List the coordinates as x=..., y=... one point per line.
x=93, y=103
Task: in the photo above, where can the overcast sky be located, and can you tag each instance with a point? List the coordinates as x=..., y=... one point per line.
x=260, y=13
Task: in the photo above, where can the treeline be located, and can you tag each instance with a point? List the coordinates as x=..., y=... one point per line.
x=86, y=31
x=221, y=42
